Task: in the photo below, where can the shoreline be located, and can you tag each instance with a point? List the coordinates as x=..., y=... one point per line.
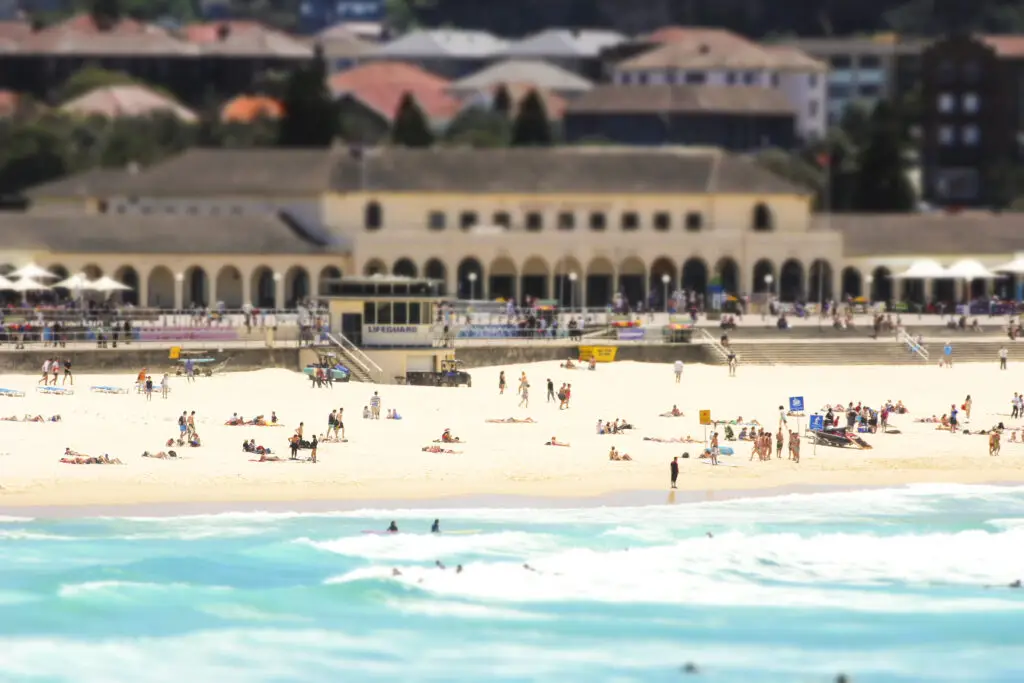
x=622, y=498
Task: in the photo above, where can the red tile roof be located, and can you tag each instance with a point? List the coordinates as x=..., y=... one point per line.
x=8, y=103
x=377, y=73
x=385, y=99
x=209, y=32
x=381, y=85
x=1006, y=46
x=246, y=109
x=714, y=36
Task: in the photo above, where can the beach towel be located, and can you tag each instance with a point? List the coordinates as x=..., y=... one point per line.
x=108, y=390
x=11, y=393
x=56, y=391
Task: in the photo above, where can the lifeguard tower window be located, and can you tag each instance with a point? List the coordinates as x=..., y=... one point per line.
x=384, y=288
x=396, y=313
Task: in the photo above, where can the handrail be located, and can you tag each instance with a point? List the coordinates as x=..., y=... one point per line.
x=905, y=338
x=715, y=344
x=373, y=370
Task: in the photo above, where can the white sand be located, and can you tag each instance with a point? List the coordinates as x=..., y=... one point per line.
x=383, y=459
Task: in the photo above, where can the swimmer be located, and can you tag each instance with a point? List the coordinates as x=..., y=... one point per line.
x=435, y=528
x=393, y=528
x=458, y=569
x=395, y=572
x=439, y=564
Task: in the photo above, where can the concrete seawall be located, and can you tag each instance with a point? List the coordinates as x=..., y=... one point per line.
x=483, y=356
x=127, y=358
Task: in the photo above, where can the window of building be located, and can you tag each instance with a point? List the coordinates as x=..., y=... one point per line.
x=102, y=206
x=192, y=211
x=946, y=103
x=749, y=78
x=695, y=78
x=373, y=216
x=762, y=219
x=838, y=91
x=694, y=221
x=947, y=135
x=567, y=220
x=503, y=219
x=869, y=90
x=437, y=220
x=775, y=80
x=870, y=62
x=970, y=135
x=971, y=103
x=841, y=62
x=534, y=221
x=812, y=108
x=598, y=221
x=957, y=184
x=670, y=77
x=630, y=220
x=662, y=221
x=641, y=78
x=468, y=219
x=626, y=78
x=730, y=78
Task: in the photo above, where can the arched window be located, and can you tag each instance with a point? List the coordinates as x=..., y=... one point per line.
x=373, y=217
x=762, y=219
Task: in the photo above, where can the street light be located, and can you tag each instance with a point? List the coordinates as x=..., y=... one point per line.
x=871, y=295
x=572, y=291
x=472, y=285
x=665, y=279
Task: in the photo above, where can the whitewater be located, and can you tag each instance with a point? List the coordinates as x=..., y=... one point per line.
x=885, y=585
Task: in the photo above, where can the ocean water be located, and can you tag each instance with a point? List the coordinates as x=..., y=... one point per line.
x=882, y=585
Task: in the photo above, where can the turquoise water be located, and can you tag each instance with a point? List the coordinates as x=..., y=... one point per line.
x=883, y=585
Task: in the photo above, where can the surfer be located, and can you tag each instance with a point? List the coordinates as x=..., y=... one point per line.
x=439, y=564
x=393, y=528
x=435, y=528
x=458, y=569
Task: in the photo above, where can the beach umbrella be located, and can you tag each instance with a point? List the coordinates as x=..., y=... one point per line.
x=76, y=282
x=1015, y=266
x=969, y=269
x=33, y=272
x=5, y=283
x=925, y=269
x=108, y=284
x=27, y=284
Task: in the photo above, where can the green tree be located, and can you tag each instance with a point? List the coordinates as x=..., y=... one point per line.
x=30, y=154
x=532, y=127
x=411, y=128
x=105, y=13
x=882, y=185
x=311, y=117
x=502, y=103
x=478, y=127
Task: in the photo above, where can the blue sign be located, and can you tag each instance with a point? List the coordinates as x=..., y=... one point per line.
x=632, y=334
x=796, y=404
x=492, y=331
x=817, y=423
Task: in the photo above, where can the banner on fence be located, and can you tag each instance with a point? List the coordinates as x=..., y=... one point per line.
x=632, y=334
x=601, y=354
x=490, y=331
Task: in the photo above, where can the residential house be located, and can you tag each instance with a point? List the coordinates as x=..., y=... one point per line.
x=370, y=96
x=127, y=101
x=577, y=50
x=973, y=99
x=719, y=58
x=738, y=119
x=342, y=49
x=540, y=74
x=363, y=18
x=864, y=70
x=450, y=53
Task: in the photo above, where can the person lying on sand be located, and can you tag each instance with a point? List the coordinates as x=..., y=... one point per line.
x=161, y=455
x=686, y=439
x=235, y=421
x=31, y=418
x=613, y=454
x=927, y=419
x=250, y=446
x=675, y=412
x=267, y=458
x=90, y=460
x=568, y=365
x=555, y=442
x=258, y=421
x=513, y=421
x=438, y=449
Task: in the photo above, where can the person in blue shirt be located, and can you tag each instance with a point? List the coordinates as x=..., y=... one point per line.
x=947, y=352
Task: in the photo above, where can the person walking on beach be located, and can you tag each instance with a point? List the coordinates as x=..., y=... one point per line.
x=312, y=453
x=46, y=373
x=967, y=406
x=551, y=390
x=331, y=421
x=191, y=423
x=182, y=425
x=679, y=371
x=1003, y=353
x=953, y=414
x=67, y=372
x=947, y=355
x=501, y=383
x=149, y=387
x=522, y=383
x=524, y=393
x=339, y=424
x=190, y=370
x=673, y=470
x=778, y=444
x=165, y=386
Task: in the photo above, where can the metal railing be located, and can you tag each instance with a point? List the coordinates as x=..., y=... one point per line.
x=161, y=317
x=912, y=345
x=709, y=339
x=357, y=356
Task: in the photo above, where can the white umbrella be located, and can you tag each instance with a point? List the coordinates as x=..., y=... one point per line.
x=108, y=284
x=76, y=282
x=27, y=284
x=34, y=272
x=1015, y=266
x=5, y=283
x=969, y=269
x=925, y=269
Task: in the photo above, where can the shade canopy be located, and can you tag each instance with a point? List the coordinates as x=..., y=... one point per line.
x=77, y=282
x=108, y=284
x=27, y=284
x=1015, y=266
x=34, y=272
x=925, y=269
x=969, y=269
x=5, y=283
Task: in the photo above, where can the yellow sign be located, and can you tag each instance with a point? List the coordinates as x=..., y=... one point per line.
x=705, y=417
x=602, y=354
x=175, y=353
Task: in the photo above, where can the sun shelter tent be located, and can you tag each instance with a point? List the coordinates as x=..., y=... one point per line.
x=969, y=270
x=32, y=272
x=925, y=269
x=1014, y=268
x=108, y=285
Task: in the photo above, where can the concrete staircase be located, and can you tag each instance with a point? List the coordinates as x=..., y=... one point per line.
x=361, y=367
x=861, y=352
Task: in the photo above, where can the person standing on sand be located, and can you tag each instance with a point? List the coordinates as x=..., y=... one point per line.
x=953, y=413
x=1003, y=353
x=967, y=406
x=673, y=470
x=149, y=388
x=190, y=370
x=947, y=355
x=782, y=417
x=312, y=454
x=1015, y=405
x=524, y=392
x=67, y=372
x=46, y=373
x=339, y=424
x=551, y=390
x=679, y=371
x=778, y=444
x=375, y=406
x=191, y=422
x=501, y=383
x=164, y=386
x=522, y=383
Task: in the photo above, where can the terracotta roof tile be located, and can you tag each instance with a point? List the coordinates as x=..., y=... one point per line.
x=1006, y=46
x=386, y=72
x=246, y=109
x=437, y=105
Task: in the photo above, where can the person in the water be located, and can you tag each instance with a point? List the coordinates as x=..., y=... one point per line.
x=435, y=528
x=393, y=529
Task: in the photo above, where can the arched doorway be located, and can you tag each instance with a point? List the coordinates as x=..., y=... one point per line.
x=196, y=288
x=296, y=286
x=329, y=276
x=129, y=277
x=471, y=275
x=263, y=287
x=660, y=291
x=695, y=276
x=229, y=287
x=881, y=284
x=819, y=286
x=501, y=280
x=598, y=283
x=791, y=281
x=436, y=270
x=912, y=291
x=161, y=288
x=852, y=286
x=727, y=275
x=534, y=278
x=374, y=267
x=404, y=267
x=564, y=287
x=633, y=281
x=764, y=277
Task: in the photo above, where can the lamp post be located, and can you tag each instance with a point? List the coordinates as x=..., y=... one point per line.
x=768, y=280
x=871, y=294
x=277, y=285
x=572, y=291
x=472, y=285
x=665, y=279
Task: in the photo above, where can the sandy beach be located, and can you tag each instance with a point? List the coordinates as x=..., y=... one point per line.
x=383, y=460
